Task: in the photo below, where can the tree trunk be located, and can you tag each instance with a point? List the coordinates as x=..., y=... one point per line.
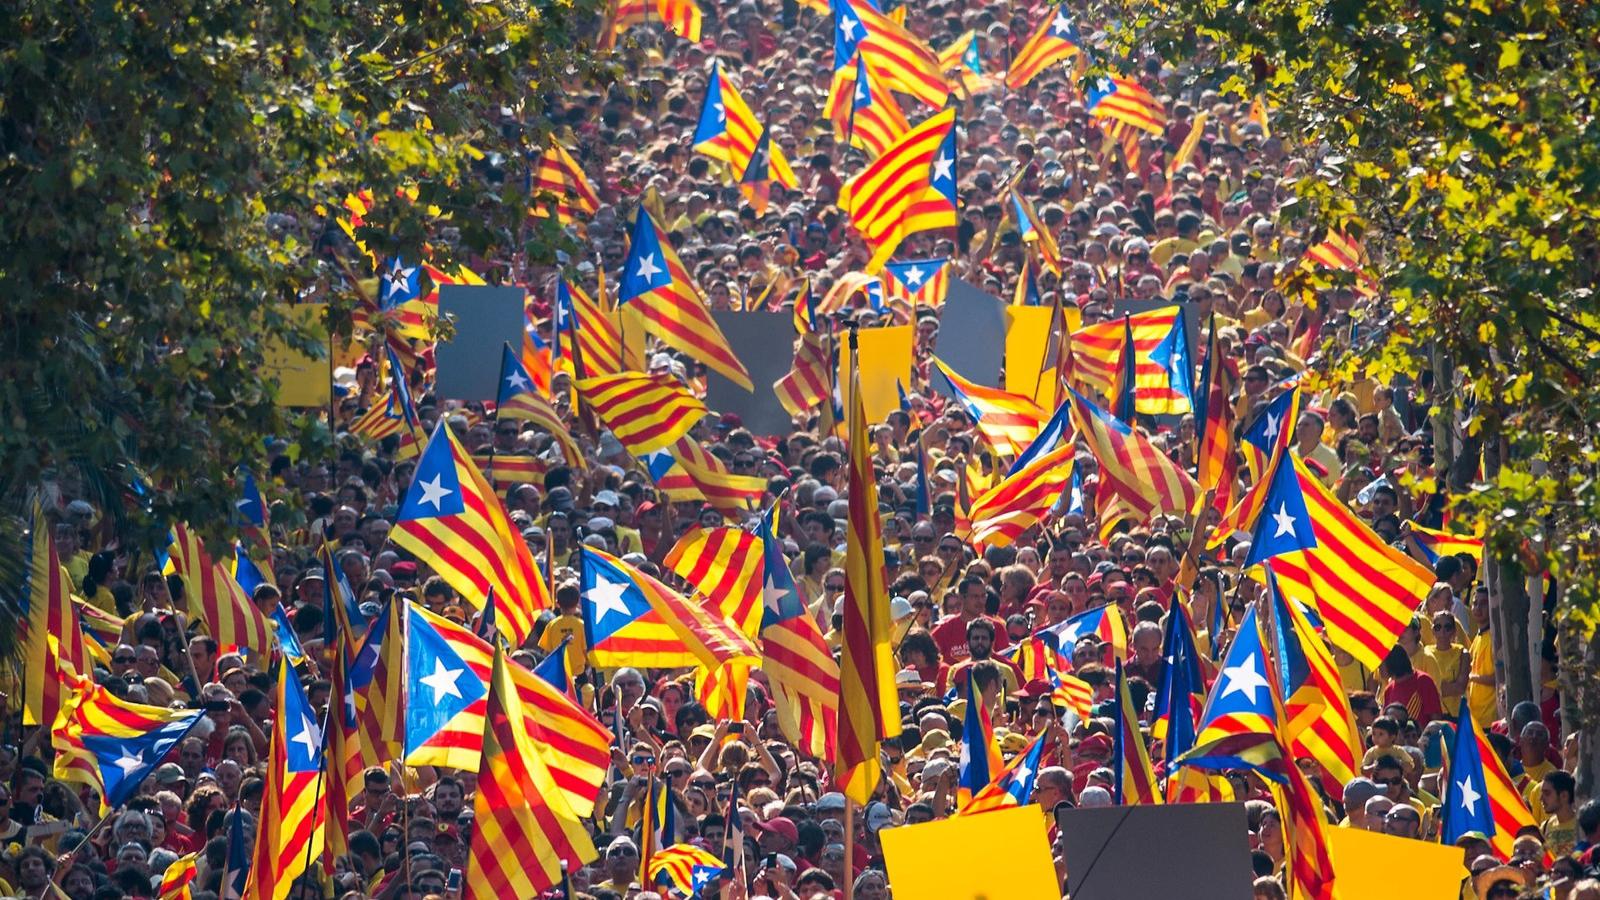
x=1509, y=610
x=1580, y=709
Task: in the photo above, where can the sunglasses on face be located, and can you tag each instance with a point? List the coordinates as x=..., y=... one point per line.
x=123, y=660
x=835, y=587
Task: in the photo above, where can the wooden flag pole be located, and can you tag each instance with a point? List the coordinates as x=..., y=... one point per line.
x=849, y=848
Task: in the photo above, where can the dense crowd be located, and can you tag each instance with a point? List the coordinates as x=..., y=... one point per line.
x=1216, y=231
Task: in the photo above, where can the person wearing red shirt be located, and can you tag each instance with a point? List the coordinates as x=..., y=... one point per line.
x=950, y=635
x=1407, y=687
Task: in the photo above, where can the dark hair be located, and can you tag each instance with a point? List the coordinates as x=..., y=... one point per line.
x=1562, y=783
x=980, y=624
x=1397, y=663
x=1385, y=723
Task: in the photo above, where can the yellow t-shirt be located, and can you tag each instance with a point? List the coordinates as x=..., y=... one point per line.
x=1481, y=697
x=1423, y=663
x=559, y=628
x=1534, y=780
x=1559, y=837
x=1447, y=664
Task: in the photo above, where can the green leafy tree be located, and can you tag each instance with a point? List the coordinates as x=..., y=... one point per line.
x=1463, y=138
x=170, y=174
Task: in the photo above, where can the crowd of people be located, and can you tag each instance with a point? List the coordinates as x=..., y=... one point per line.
x=1217, y=231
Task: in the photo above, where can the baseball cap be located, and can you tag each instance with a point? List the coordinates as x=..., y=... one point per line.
x=779, y=825
x=1360, y=790
x=607, y=498
x=832, y=801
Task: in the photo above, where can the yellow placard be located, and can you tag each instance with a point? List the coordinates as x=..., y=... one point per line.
x=1368, y=864
x=885, y=355
x=303, y=380
x=1002, y=854
x=1027, y=347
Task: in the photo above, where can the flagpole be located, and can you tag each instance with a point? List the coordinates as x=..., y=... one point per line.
x=849, y=848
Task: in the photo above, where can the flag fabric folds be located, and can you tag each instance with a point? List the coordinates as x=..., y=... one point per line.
x=685, y=868
x=645, y=412
x=1216, y=464
x=1318, y=717
x=1134, y=780
x=880, y=197
x=1055, y=40
x=524, y=828
x=656, y=284
x=53, y=644
x=1014, y=786
x=109, y=744
x=798, y=662
x=1481, y=796
x=863, y=111
x=1125, y=100
x=631, y=619
x=289, y=831
x=724, y=565
x=558, y=174
x=1104, y=622
x=1004, y=512
x=918, y=282
x=1010, y=422
x=593, y=335
x=448, y=668
x=377, y=678
x=453, y=520
x=1130, y=466
x=215, y=598
x=808, y=382
x=907, y=63
x=1097, y=350
x=727, y=129
x=519, y=398
x=979, y=763
x=1324, y=556
x=869, y=707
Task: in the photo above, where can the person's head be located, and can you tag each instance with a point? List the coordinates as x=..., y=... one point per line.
x=1403, y=820
x=980, y=638
x=622, y=860
x=1052, y=786
x=447, y=797
x=974, y=597
x=1267, y=888
x=1389, y=773
x=34, y=867
x=1534, y=741
x=1557, y=793
x=1385, y=731
x=1377, y=810
x=1146, y=641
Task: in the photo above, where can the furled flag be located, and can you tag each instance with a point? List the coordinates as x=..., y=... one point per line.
x=109, y=744
x=519, y=399
x=1009, y=422
x=658, y=287
x=881, y=196
x=869, y=708
x=1034, y=231
x=963, y=60
x=252, y=511
x=1055, y=40
x=453, y=521
x=525, y=830
x=863, y=111
x=809, y=380
x=764, y=166
x=180, y=873
x=447, y=671
x=593, y=337
x=919, y=282
x=54, y=651
x=907, y=63
x=1134, y=780
x=1098, y=355
x=377, y=677
x=980, y=756
x=289, y=831
x=559, y=175
x=1217, y=465
x=343, y=781
x=236, y=867
x=1324, y=556
x=1481, y=796
x=215, y=598
x=796, y=659
x=1179, y=699
x=1131, y=466
x=343, y=622
x=1027, y=291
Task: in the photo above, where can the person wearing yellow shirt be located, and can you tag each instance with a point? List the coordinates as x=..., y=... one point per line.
x=1448, y=660
x=1308, y=443
x=1560, y=828
x=1481, y=698
x=1185, y=241
x=1411, y=641
x=567, y=623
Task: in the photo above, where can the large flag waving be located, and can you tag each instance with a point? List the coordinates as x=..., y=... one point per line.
x=1055, y=40
x=869, y=708
x=656, y=284
x=1131, y=466
x=452, y=519
x=53, y=643
x=646, y=412
x=289, y=831
x=907, y=63
x=1481, y=796
x=110, y=744
x=525, y=829
x=215, y=598
x=880, y=198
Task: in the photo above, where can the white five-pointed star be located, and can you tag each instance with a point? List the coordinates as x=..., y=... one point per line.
x=914, y=276
x=434, y=491
x=862, y=96
x=848, y=27
x=722, y=112
x=129, y=762
x=1283, y=522
x=1022, y=773
x=772, y=595
x=443, y=681
x=647, y=267
x=1244, y=678
x=1062, y=25
x=607, y=598
x=517, y=381
x=1469, y=796
x=942, y=168
x=1273, y=424
x=308, y=737
x=399, y=278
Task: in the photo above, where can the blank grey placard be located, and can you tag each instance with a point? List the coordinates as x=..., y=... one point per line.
x=1197, y=851
x=972, y=333
x=486, y=318
x=764, y=342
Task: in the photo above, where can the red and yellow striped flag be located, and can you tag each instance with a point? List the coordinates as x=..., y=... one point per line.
x=290, y=830
x=525, y=830
x=215, y=598
x=724, y=565
x=559, y=174
x=1055, y=40
x=807, y=384
x=646, y=412
x=863, y=111
x=53, y=644
x=869, y=707
x=1131, y=467
x=905, y=60
x=597, y=329
x=726, y=492
x=1008, y=421
x=1135, y=779
x=453, y=521
x=1022, y=499
x=880, y=197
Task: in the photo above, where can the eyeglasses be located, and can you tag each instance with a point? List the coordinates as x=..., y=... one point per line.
x=677, y=773
x=947, y=548
x=835, y=586
x=1389, y=782
x=123, y=660
x=923, y=539
x=621, y=851
x=706, y=784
